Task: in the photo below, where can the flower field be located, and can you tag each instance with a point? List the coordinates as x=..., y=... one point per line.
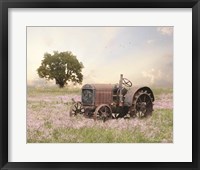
x=48, y=120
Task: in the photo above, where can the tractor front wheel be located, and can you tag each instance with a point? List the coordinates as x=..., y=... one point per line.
x=76, y=109
x=103, y=112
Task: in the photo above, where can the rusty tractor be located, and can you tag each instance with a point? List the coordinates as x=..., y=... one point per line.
x=108, y=101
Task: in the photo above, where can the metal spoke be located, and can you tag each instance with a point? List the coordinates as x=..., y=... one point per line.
x=106, y=109
x=144, y=98
x=140, y=99
x=148, y=102
x=103, y=112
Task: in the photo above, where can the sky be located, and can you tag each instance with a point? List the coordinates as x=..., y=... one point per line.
x=143, y=55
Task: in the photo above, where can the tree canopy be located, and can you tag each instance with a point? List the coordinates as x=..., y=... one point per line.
x=64, y=67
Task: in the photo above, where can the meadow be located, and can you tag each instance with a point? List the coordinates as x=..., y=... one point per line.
x=48, y=120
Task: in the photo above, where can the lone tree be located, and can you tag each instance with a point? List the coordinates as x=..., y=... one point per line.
x=63, y=67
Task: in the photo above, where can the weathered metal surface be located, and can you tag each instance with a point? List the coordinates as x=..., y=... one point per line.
x=96, y=94
x=129, y=97
x=103, y=93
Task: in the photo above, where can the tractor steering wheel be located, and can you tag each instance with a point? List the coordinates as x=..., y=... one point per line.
x=126, y=82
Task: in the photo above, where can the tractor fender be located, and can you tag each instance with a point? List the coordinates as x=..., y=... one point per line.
x=128, y=100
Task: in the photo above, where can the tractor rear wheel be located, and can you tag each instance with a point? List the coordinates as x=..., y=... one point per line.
x=142, y=104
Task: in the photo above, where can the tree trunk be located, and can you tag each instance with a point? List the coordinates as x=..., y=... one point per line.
x=60, y=84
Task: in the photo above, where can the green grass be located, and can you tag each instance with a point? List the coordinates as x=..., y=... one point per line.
x=159, y=91
x=54, y=90
x=155, y=129
x=33, y=91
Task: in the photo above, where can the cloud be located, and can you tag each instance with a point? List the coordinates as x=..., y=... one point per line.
x=150, y=41
x=89, y=76
x=158, y=77
x=165, y=30
x=152, y=75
